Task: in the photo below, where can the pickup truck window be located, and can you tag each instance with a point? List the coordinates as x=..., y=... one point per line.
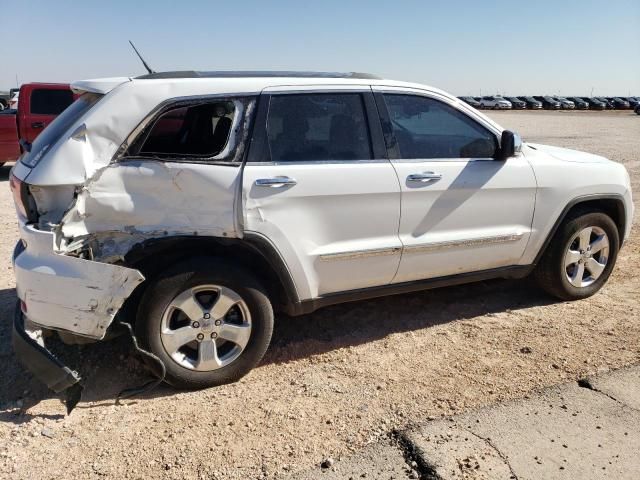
x=198, y=130
x=59, y=127
x=50, y=102
x=319, y=126
x=427, y=128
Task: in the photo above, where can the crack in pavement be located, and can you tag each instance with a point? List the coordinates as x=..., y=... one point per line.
x=586, y=383
x=488, y=441
x=426, y=471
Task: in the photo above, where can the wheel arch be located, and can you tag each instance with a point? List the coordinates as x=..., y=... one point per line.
x=610, y=204
x=257, y=255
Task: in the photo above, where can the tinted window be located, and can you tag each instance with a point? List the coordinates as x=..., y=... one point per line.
x=50, y=102
x=323, y=126
x=427, y=128
x=56, y=129
x=198, y=130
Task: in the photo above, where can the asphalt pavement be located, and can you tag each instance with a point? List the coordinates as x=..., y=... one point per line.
x=585, y=430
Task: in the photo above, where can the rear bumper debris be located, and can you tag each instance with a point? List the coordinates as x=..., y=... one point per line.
x=31, y=352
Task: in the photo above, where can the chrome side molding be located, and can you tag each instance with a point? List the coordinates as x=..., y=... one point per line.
x=472, y=242
x=357, y=254
x=425, y=247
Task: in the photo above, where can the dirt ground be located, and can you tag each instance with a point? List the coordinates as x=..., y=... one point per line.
x=335, y=380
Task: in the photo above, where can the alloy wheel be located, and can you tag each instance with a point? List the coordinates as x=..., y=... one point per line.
x=586, y=257
x=205, y=328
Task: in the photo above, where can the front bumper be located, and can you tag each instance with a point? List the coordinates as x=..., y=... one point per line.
x=67, y=293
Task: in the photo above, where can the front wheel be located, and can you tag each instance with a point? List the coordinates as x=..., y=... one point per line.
x=580, y=258
x=209, y=321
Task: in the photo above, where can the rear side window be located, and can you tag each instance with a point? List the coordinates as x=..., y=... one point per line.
x=198, y=130
x=50, y=102
x=323, y=126
x=428, y=128
x=56, y=129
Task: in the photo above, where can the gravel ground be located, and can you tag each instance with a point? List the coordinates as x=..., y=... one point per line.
x=338, y=379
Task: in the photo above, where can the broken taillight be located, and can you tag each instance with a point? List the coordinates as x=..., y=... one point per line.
x=19, y=191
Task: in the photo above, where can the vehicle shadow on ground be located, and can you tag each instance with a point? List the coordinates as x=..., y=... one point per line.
x=112, y=366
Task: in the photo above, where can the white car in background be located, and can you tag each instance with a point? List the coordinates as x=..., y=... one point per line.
x=195, y=204
x=495, y=102
x=13, y=101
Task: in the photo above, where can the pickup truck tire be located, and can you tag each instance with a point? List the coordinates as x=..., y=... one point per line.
x=208, y=320
x=580, y=257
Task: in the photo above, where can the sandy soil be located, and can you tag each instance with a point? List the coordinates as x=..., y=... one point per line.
x=335, y=380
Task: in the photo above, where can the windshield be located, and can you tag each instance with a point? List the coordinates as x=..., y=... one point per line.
x=58, y=127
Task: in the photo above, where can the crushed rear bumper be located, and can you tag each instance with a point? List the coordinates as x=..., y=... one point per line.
x=30, y=350
x=67, y=293
x=64, y=293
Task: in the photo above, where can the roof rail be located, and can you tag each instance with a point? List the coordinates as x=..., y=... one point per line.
x=256, y=74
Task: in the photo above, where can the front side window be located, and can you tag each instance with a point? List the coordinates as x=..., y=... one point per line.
x=50, y=102
x=428, y=128
x=201, y=130
x=323, y=126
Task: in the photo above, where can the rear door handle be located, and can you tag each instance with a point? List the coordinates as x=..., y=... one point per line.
x=424, y=177
x=275, y=182
x=37, y=125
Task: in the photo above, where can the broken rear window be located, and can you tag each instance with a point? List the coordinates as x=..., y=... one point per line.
x=198, y=130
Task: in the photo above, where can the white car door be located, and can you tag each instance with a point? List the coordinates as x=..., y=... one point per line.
x=462, y=210
x=318, y=185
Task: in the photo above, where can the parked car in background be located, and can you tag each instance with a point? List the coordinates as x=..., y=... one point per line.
x=532, y=103
x=9, y=146
x=39, y=104
x=495, y=102
x=565, y=103
x=609, y=105
x=548, y=103
x=594, y=103
x=633, y=101
x=150, y=198
x=471, y=101
x=516, y=103
x=13, y=101
x=619, y=103
x=579, y=103
x=637, y=109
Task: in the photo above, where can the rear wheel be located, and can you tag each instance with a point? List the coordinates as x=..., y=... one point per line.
x=210, y=322
x=580, y=257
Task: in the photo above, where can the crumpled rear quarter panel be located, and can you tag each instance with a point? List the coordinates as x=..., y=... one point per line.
x=156, y=198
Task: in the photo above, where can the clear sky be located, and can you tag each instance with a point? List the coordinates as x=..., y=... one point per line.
x=462, y=46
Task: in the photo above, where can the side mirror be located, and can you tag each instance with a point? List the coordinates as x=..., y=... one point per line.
x=510, y=145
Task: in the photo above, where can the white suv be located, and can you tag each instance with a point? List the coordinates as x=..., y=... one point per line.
x=192, y=205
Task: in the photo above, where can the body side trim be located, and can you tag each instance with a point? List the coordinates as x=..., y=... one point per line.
x=374, y=252
x=308, y=306
x=471, y=242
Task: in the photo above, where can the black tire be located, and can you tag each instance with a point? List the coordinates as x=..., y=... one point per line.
x=191, y=273
x=550, y=272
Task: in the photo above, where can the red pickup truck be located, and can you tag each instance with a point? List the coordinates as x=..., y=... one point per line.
x=38, y=105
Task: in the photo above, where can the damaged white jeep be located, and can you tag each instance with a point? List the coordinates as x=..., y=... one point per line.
x=192, y=205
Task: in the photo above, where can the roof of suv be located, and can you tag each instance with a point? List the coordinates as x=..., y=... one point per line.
x=256, y=74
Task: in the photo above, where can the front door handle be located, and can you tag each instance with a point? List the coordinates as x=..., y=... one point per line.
x=37, y=125
x=275, y=182
x=424, y=177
